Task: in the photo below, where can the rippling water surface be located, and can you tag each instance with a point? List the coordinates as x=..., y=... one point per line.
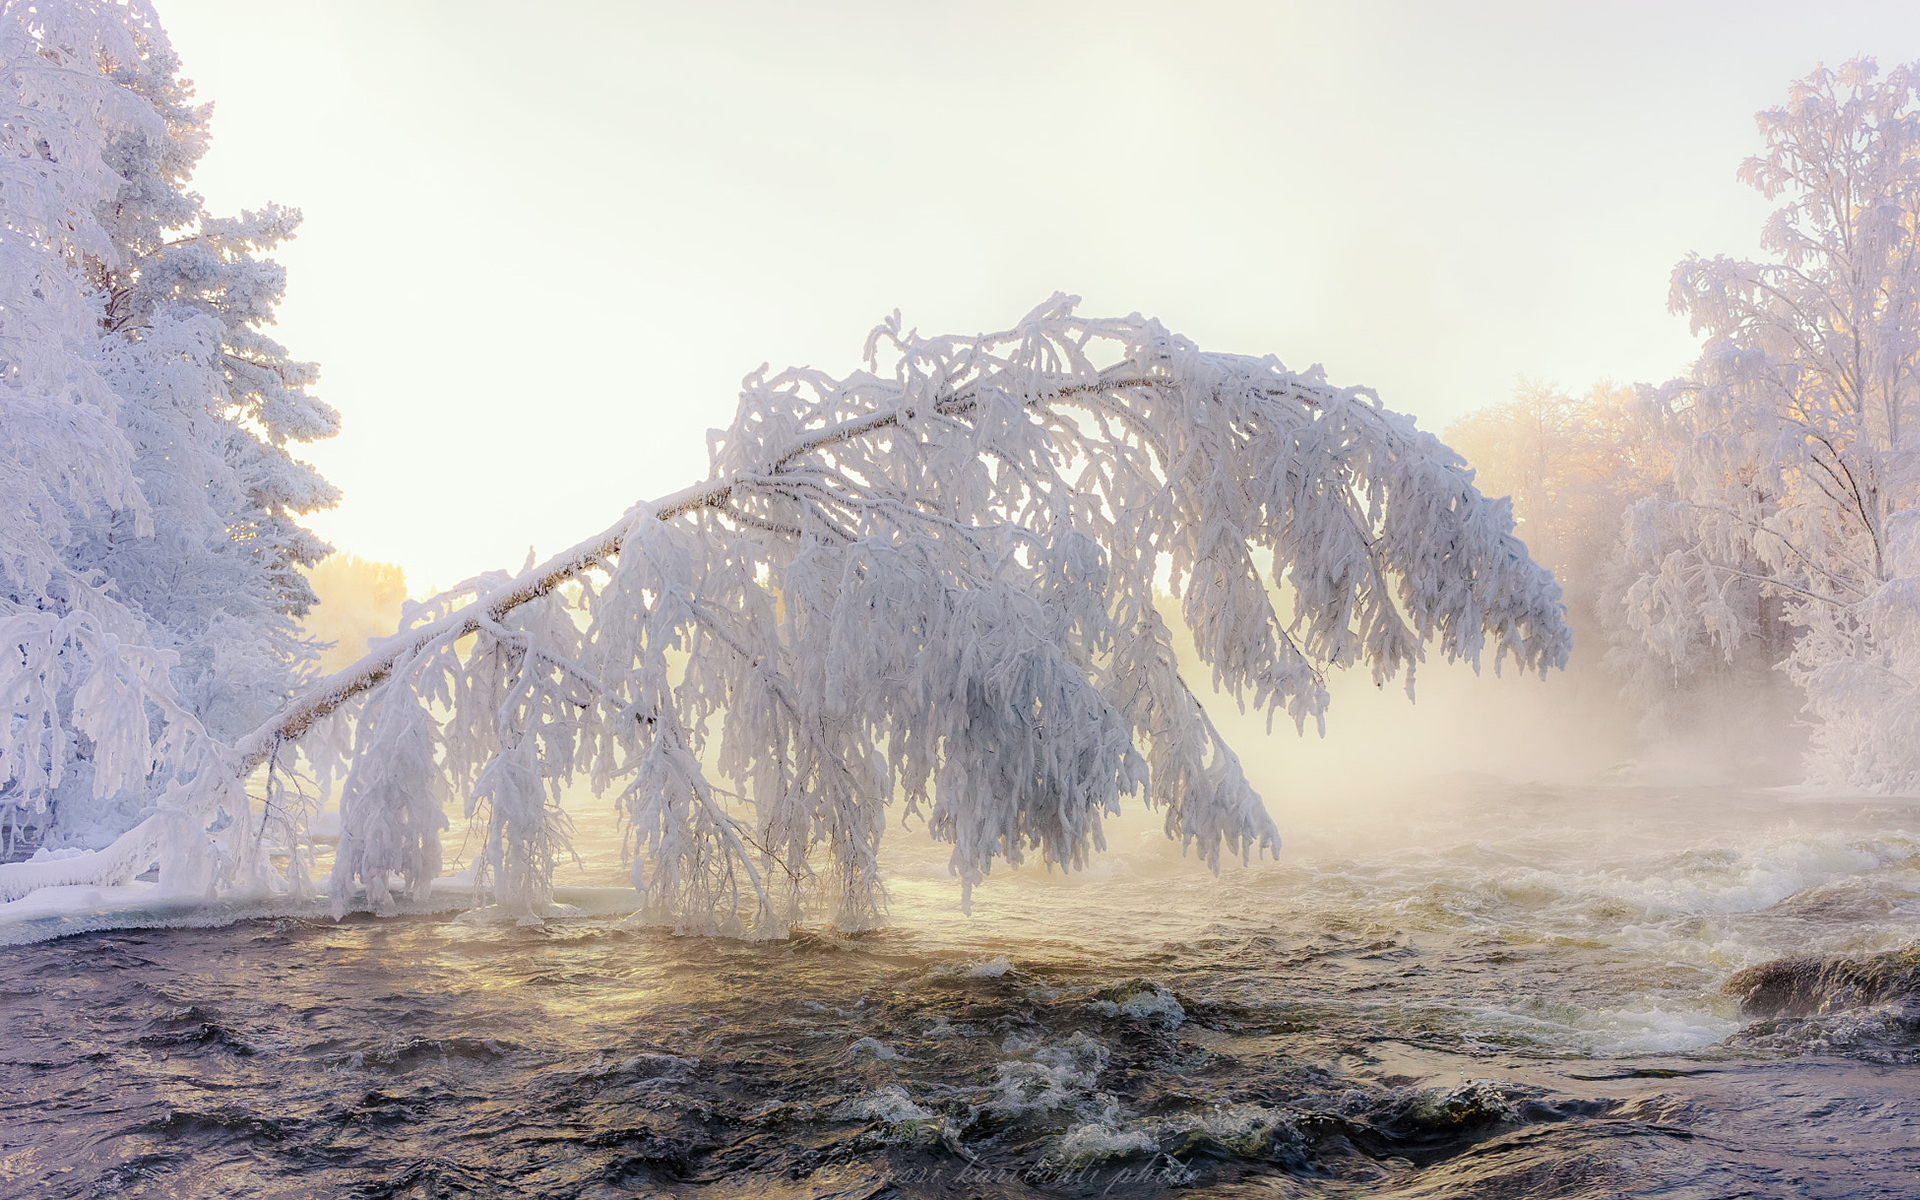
x=1481, y=990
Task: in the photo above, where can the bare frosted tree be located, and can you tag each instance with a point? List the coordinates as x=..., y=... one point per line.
x=1791, y=522
x=926, y=587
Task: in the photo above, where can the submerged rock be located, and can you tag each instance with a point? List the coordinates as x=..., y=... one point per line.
x=1804, y=987
x=1439, y=1113
x=1141, y=1000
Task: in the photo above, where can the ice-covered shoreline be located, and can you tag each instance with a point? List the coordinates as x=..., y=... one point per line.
x=57, y=912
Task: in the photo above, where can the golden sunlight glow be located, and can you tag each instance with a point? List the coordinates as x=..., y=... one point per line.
x=533, y=280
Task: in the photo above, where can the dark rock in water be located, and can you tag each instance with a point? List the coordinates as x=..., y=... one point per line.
x=1802, y=987
x=1438, y=1113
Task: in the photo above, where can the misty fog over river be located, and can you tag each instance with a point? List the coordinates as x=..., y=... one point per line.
x=833, y=801
x=1468, y=988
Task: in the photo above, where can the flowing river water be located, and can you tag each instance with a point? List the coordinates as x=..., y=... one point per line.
x=1477, y=990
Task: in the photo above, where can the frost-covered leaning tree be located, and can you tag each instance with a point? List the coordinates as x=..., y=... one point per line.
x=148, y=496
x=1792, y=518
x=926, y=588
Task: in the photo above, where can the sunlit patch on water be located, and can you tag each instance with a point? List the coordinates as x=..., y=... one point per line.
x=1512, y=994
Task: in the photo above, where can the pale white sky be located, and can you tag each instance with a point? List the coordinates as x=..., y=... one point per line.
x=545, y=241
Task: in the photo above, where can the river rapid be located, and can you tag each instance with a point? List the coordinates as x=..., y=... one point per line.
x=1469, y=989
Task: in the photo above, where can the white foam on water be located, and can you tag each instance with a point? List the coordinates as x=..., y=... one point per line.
x=1060, y=1076
x=1645, y=1027
x=890, y=1104
x=943, y=1028
x=1155, y=1005
x=1744, y=878
x=877, y=1048
x=1651, y=1030
x=646, y=1069
x=1094, y=1142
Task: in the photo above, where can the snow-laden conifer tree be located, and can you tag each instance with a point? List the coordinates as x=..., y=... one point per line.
x=148, y=540
x=1791, y=522
x=926, y=591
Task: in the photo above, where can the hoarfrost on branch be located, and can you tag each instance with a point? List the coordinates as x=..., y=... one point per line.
x=1791, y=520
x=926, y=588
x=149, y=500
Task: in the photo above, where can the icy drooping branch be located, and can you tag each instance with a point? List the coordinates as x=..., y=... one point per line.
x=928, y=587
x=596, y=552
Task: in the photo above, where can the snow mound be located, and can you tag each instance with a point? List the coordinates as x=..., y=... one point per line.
x=43, y=854
x=324, y=829
x=53, y=912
